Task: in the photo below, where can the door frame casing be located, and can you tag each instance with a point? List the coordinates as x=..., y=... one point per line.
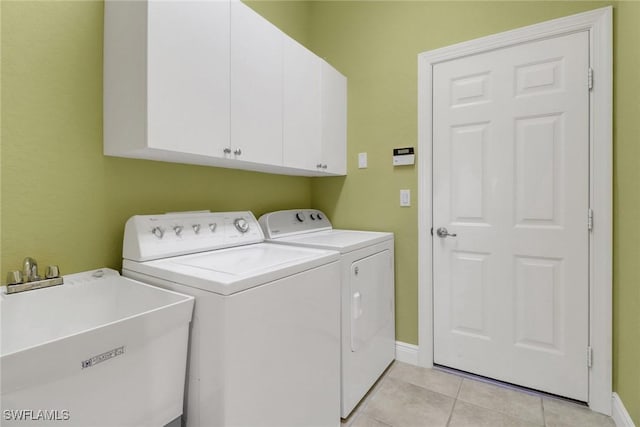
x=599, y=25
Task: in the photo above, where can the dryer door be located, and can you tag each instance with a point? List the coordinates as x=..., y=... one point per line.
x=371, y=298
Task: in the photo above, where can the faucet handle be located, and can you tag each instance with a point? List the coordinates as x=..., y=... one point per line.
x=52, y=272
x=14, y=277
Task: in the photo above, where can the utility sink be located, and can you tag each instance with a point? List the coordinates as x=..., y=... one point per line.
x=99, y=350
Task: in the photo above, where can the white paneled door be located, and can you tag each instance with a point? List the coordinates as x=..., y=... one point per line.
x=511, y=187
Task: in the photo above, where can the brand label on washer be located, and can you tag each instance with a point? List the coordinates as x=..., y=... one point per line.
x=103, y=357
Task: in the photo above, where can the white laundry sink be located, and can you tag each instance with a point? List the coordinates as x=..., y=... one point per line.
x=99, y=350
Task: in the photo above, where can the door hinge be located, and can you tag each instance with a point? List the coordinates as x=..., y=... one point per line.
x=589, y=356
x=590, y=219
x=590, y=78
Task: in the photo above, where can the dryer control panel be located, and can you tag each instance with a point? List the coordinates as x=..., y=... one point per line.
x=291, y=222
x=148, y=237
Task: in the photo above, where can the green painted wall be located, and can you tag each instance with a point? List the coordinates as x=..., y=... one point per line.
x=291, y=16
x=63, y=202
x=626, y=207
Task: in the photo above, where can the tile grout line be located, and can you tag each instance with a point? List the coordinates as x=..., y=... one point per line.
x=424, y=388
x=453, y=407
x=367, y=400
x=500, y=411
x=459, y=388
x=455, y=402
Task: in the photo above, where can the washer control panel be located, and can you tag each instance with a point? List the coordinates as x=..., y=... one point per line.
x=148, y=237
x=291, y=222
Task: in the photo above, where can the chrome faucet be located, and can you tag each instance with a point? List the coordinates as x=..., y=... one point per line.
x=30, y=270
x=28, y=278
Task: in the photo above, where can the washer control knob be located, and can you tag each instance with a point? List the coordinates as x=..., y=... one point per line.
x=213, y=226
x=318, y=216
x=158, y=232
x=178, y=229
x=196, y=228
x=300, y=217
x=241, y=225
x=313, y=217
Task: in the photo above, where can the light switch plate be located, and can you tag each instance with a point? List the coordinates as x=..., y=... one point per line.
x=362, y=160
x=405, y=198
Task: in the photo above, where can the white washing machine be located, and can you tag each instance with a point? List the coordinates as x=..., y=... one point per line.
x=265, y=337
x=367, y=282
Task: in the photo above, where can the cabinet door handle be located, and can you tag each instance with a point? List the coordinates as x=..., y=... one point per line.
x=324, y=166
x=319, y=165
x=227, y=150
x=237, y=151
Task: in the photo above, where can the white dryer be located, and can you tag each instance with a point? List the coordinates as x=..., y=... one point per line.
x=367, y=282
x=265, y=337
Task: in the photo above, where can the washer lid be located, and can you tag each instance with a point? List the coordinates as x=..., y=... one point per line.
x=338, y=240
x=232, y=270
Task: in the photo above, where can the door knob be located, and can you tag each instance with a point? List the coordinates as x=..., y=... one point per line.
x=442, y=232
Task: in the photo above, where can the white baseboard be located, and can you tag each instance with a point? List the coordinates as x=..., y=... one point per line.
x=407, y=353
x=620, y=415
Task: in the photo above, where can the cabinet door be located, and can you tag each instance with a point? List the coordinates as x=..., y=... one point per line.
x=256, y=87
x=372, y=293
x=188, y=76
x=334, y=120
x=302, y=107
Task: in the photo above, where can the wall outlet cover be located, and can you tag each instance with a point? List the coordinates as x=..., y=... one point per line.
x=405, y=198
x=362, y=160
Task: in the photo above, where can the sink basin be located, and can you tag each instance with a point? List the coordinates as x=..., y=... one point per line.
x=99, y=350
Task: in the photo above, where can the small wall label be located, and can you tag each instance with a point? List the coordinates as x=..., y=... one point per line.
x=103, y=357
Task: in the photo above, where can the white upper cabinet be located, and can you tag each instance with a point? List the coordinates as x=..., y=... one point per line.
x=211, y=82
x=188, y=69
x=302, y=122
x=256, y=87
x=334, y=121
x=315, y=113
x=166, y=79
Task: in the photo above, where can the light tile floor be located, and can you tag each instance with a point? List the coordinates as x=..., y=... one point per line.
x=409, y=396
